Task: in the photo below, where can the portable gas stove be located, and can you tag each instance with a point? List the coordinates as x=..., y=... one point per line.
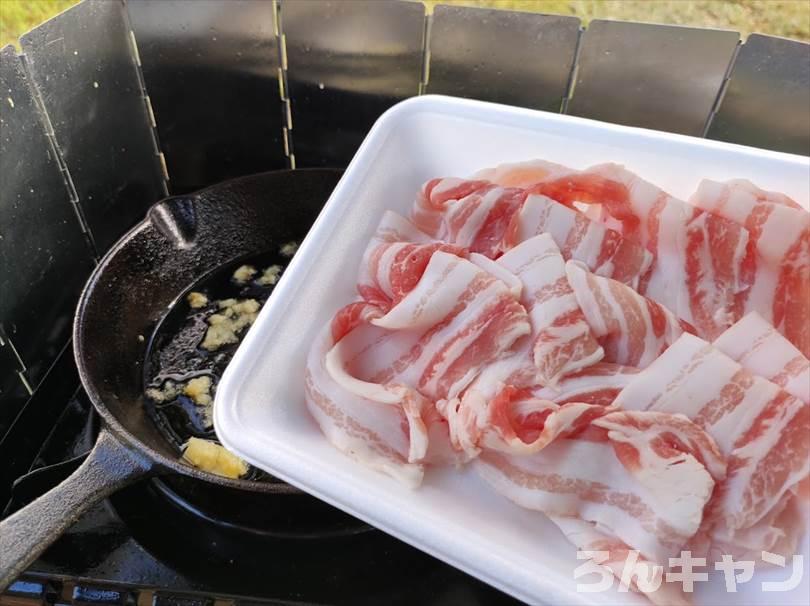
x=114, y=105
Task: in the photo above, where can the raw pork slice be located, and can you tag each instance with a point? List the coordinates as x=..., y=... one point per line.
x=472, y=214
x=597, y=384
x=603, y=250
x=373, y=376
x=456, y=320
x=503, y=414
x=762, y=351
x=698, y=271
x=761, y=429
x=634, y=330
x=382, y=426
x=642, y=478
x=778, y=253
x=645, y=576
x=561, y=338
x=395, y=259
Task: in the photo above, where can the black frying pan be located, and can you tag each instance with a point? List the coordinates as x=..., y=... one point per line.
x=133, y=288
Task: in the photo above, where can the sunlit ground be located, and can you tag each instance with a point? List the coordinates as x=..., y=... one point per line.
x=788, y=18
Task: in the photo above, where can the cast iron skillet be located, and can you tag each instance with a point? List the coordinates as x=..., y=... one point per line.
x=134, y=286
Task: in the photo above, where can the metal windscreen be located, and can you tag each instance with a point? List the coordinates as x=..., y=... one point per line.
x=114, y=104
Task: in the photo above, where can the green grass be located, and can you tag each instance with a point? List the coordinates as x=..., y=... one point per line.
x=18, y=16
x=788, y=18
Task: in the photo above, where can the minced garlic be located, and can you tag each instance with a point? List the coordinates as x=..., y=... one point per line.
x=210, y=456
x=244, y=273
x=196, y=300
x=166, y=393
x=199, y=390
x=269, y=276
x=223, y=327
x=288, y=249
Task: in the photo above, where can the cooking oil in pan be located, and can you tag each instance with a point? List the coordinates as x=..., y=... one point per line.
x=195, y=341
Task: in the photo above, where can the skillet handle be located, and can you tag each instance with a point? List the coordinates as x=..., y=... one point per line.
x=27, y=533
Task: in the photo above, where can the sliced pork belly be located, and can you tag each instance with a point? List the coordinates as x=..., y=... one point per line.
x=778, y=253
x=762, y=351
x=560, y=342
x=633, y=330
x=597, y=384
x=502, y=408
x=374, y=375
x=512, y=421
x=434, y=197
x=472, y=214
x=561, y=338
x=603, y=250
x=458, y=317
x=761, y=429
x=380, y=425
x=698, y=270
x=395, y=259
x=615, y=557
x=699, y=263
x=637, y=476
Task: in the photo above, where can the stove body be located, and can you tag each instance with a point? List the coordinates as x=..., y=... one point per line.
x=114, y=105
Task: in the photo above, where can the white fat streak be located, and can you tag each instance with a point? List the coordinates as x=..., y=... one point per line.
x=777, y=532
x=493, y=375
x=382, y=418
x=447, y=184
x=560, y=420
x=334, y=364
x=570, y=387
x=531, y=217
x=617, y=311
x=542, y=214
x=539, y=263
x=394, y=227
x=560, y=220
x=386, y=261
x=578, y=280
x=655, y=384
x=780, y=232
x=445, y=278
x=676, y=383
x=586, y=461
x=762, y=293
x=520, y=259
x=374, y=350
x=667, y=283
x=534, y=217
x=476, y=219
x=499, y=272
x=589, y=248
x=564, y=334
x=760, y=349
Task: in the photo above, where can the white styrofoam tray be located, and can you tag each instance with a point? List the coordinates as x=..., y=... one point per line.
x=259, y=411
